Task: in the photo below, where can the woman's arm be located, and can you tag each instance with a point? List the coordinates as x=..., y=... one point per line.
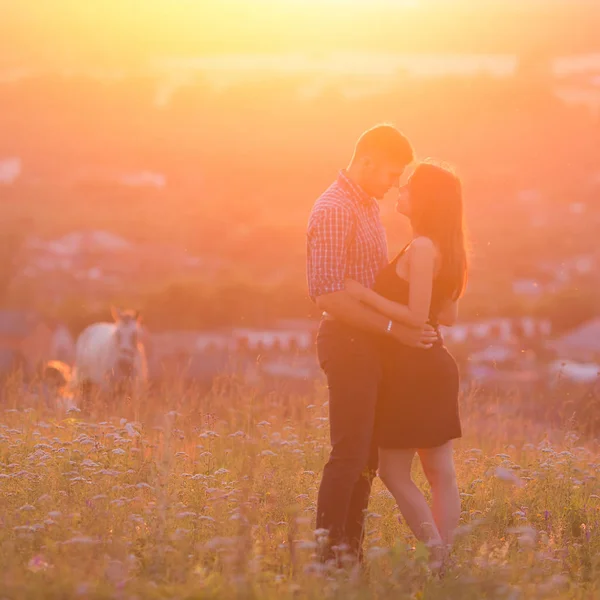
x=421, y=269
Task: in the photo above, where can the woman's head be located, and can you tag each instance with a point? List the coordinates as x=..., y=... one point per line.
x=433, y=201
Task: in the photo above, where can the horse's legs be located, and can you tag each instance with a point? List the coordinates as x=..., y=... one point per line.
x=87, y=395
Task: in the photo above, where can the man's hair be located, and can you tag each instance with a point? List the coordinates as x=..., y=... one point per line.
x=384, y=141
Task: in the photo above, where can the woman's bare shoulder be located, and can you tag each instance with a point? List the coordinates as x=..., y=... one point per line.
x=422, y=242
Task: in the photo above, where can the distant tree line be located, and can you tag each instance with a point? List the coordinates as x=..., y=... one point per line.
x=194, y=306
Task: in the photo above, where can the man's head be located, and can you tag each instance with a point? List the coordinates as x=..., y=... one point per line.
x=380, y=157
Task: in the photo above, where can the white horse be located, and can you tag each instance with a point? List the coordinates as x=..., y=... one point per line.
x=110, y=354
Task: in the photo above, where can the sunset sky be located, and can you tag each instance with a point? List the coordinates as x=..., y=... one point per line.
x=71, y=33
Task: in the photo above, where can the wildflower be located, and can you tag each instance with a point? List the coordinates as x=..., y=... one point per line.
x=206, y=518
x=137, y=519
x=508, y=476
x=143, y=485
x=463, y=530
x=181, y=533
x=131, y=431
x=24, y=528
x=317, y=569
x=237, y=434
x=305, y=544
x=37, y=563
x=82, y=539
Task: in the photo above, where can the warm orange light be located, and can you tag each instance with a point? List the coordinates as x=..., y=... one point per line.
x=122, y=31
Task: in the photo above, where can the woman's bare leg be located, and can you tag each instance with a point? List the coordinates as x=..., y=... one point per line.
x=394, y=470
x=438, y=465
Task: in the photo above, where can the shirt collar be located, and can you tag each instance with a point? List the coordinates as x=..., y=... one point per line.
x=354, y=190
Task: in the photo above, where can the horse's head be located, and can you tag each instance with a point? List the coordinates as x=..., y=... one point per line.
x=126, y=336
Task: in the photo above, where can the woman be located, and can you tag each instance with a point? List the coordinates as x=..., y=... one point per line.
x=419, y=412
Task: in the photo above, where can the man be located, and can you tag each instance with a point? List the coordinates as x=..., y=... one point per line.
x=346, y=239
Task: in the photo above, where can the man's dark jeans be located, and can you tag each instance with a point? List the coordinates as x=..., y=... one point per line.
x=350, y=360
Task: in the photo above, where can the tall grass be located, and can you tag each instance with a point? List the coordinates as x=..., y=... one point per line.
x=212, y=495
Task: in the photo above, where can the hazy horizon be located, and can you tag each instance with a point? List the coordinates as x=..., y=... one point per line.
x=69, y=34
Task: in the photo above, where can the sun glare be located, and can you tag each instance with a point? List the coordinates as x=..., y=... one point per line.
x=119, y=31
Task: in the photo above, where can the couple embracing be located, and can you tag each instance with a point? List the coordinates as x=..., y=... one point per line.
x=393, y=385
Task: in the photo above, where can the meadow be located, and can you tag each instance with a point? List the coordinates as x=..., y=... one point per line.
x=188, y=495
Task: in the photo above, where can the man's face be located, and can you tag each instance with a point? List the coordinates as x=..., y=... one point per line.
x=382, y=175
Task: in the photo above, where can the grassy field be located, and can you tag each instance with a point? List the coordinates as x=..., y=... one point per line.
x=214, y=497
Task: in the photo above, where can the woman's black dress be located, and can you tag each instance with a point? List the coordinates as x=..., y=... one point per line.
x=418, y=404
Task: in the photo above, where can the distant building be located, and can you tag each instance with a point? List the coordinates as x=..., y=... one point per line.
x=497, y=330
x=284, y=351
x=582, y=343
x=289, y=340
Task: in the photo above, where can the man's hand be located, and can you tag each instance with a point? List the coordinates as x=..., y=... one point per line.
x=423, y=337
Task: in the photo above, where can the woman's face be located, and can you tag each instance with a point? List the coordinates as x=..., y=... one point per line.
x=403, y=203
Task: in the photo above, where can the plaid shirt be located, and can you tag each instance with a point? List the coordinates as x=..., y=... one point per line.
x=345, y=239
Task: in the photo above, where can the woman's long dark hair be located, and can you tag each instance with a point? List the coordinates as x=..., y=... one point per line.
x=436, y=211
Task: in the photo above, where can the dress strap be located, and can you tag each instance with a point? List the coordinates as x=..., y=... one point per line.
x=401, y=253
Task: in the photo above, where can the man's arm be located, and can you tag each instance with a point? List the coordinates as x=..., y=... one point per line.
x=328, y=238
x=342, y=306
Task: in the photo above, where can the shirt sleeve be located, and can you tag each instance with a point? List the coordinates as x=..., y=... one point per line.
x=328, y=238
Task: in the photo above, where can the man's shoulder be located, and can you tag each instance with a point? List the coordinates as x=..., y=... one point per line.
x=332, y=199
